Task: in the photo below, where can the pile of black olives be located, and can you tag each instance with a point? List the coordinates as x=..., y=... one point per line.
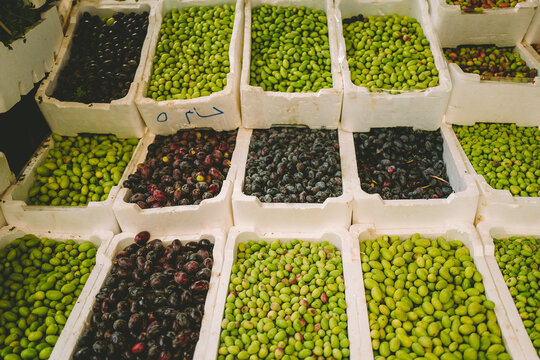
x=293, y=165
x=104, y=58
x=152, y=303
x=402, y=163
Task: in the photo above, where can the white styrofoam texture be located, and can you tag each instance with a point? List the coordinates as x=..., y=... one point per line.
x=533, y=33
x=96, y=215
x=496, y=204
x=488, y=230
x=337, y=237
x=465, y=233
x=210, y=213
x=363, y=109
x=99, y=238
x=29, y=59
x=262, y=109
x=474, y=100
x=119, y=117
x=334, y=212
x=460, y=206
x=6, y=179
x=121, y=241
x=220, y=110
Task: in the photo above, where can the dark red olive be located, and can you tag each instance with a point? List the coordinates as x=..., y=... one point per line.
x=142, y=237
x=181, y=277
x=176, y=245
x=158, y=281
x=135, y=322
x=191, y=267
x=137, y=348
x=208, y=263
x=200, y=285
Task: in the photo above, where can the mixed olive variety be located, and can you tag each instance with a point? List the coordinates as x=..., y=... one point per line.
x=506, y=155
x=80, y=169
x=152, y=303
x=389, y=53
x=293, y=165
x=182, y=169
x=426, y=299
x=290, y=50
x=104, y=58
x=41, y=280
x=402, y=163
x=479, y=5
x=518, y=258
x=491, y=62
x=285, y=300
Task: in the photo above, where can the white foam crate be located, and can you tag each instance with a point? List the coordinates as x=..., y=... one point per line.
x=210, y=213
x=363, y=109
x=533, y=37
x=99, y=238
x=465, y=233
x=334, y=212
x=474, y=100
x=337, y=237
x=220, y=110
x=504, y=26
x=262, y=109
x=488, y=230
x=29, y=59
x=496, y=204
x=460, y=206
x=118, y=243
x=96, y=215
x=119, y=117
x=6, y=179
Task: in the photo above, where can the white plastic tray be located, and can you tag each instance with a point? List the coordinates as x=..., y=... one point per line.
x=460, y=206
x=334, y=212
x=473, y=100
x=504, y=26
x=337, y=237
x=220, y=110
x=123, y=240
x=496, y=204
x=99, y=238
x=262, y=109
x=362, y=109
x=29, y=59
x=463, y=232
x=119, y=117
x=487, y=231
x=66, y=219
x=210, y=213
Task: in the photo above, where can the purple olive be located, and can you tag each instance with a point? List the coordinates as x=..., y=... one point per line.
x=200, y=285
x=181, y=278
x=191, y=267
x=208, y=263
x=158, y=281
x=142, y=237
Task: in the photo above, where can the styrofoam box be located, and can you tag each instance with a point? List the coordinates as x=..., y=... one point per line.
x=488, y=231
x=363, y=109
x=220, y=110
x=119, y=117
x=6, y=179
x=29, y=59
x=456, y=231
x=98, y=238
x=533, y=37
x=262, y=109
x=334, y=212
x=121, y=241
x=460, y=206
x=210, y=213
x=502, y=26
x=496, y=204
x=97, y=215
x=474, y=100
x=337, y=237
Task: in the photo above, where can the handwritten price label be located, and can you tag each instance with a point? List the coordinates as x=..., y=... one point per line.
x=191, y=115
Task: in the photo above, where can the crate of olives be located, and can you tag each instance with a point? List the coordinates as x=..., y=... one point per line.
x=155, y=297
x=302, y=291
x=52, y=275
x=181, y=183
x=290, y=72
x=28, y=59
x=394, y=73
x=92, y=86
x=70, y=183
x=487, y=78
x=297, y=178
x=427, y=292
x=408, y=177
x=512, y=254
x=192, y=76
